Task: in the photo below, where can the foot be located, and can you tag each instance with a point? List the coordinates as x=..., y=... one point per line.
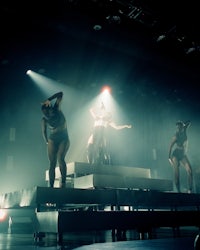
x=63, y=185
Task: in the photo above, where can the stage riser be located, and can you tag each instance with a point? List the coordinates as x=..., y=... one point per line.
x=84, y=175
x=63, y=221
x=109, y=181
x=76, y=169
x=116, y=197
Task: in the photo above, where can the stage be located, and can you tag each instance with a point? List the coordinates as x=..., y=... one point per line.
x=138, y=203
x=85, y=241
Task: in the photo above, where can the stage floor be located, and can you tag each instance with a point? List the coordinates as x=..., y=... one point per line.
x=99, y=242
x=25, y=202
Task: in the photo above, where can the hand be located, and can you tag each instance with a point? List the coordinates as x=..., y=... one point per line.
x=129, y=126
x=46, y=103
x=170, y=161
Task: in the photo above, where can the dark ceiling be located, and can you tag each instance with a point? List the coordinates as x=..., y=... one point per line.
x=178, y=20
x=155, y=37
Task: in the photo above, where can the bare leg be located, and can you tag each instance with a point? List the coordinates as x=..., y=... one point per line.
x=62, y=151
x=175, y=165
x=90, y=150
x=90, y=153
x=106, y=154
x=188, y=169
x=52, y=152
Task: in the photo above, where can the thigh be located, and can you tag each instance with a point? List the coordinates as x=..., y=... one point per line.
x=52, y=150
x=186, y=164
x=63, y=148
x=175, y=164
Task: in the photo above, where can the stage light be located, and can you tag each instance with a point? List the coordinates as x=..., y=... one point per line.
x=105, y=97
x=193, y=48
x=190, y=50
x=161, y=38
x=46, y=84
x=28, y=72
x=106, y=89
x=97, y=27
x=114, y=19
x=3, y=214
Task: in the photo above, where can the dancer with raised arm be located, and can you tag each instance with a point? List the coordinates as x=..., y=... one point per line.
x=178, y=157
x=58, y=140
x=97, y=151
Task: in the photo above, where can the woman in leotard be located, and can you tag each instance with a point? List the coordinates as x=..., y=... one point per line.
x=58, y=140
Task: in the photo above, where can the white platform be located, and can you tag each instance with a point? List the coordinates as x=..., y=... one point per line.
x=86, y=176
x=77, y=169
x=112, y=181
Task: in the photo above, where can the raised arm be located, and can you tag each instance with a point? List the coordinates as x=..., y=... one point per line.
x=58, y=96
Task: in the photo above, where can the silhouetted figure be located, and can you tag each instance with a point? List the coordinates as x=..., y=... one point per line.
x=178, y=156
x=58, y=140
x=97, y=150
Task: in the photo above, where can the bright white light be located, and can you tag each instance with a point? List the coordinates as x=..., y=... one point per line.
x=106, y=89
x=47, y=85
x=3, y=215
x=105, y=97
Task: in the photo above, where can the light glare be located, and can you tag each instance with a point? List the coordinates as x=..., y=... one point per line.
x=3, y=215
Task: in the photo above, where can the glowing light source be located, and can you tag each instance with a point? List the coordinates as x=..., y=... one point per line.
x=105, y=96
x=3, y=215
x=106, y=89
x=44, y=83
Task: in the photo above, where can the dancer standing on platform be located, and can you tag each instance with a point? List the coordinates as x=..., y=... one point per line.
x=58, y=140
x=178, y=156
x=97, y=151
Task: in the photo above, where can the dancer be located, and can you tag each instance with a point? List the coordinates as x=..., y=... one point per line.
x=58, y=140
x=97, y=151
x=178, y=156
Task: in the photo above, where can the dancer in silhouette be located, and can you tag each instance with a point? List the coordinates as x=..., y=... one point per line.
x=97, y=150
x=58, y=140
x=178, y=157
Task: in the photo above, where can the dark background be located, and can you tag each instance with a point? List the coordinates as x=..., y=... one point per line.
x=154, y=83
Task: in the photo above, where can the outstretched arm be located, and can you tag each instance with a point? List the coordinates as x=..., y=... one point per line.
x=118, y=127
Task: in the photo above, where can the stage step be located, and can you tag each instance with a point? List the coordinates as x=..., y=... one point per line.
x=42, y=196
x=86, y=176
x=79, y=169
x=98, y=181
